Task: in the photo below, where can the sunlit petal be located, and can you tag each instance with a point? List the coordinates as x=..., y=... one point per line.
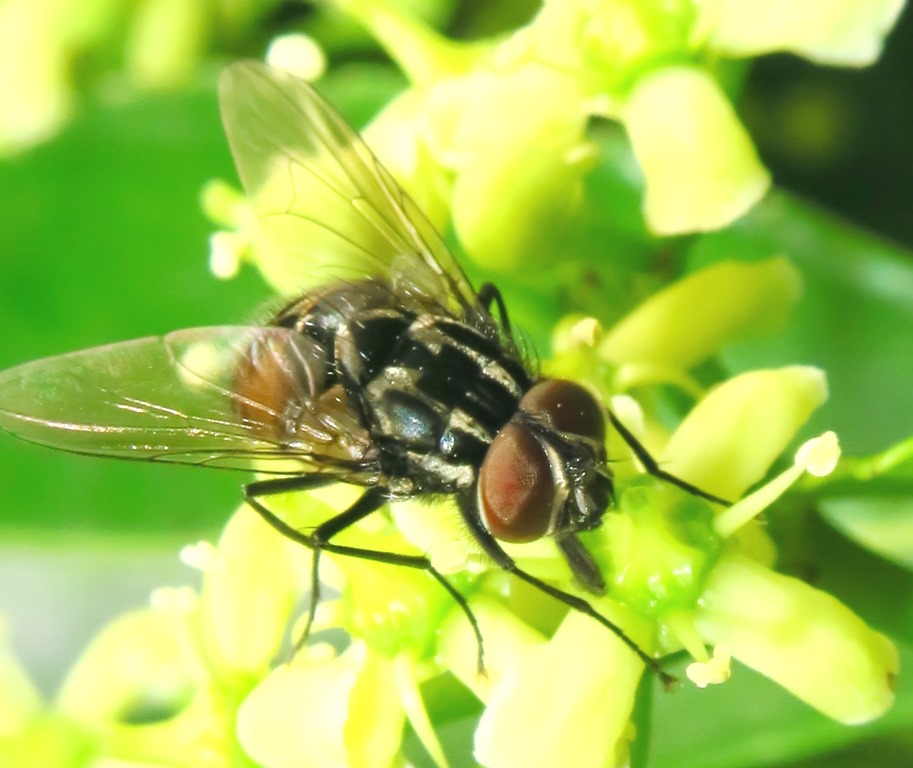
x=575, y=693
x=731, y=438
x=804, y=639
x=700, y=166
x=695, y=317
x=842, y=32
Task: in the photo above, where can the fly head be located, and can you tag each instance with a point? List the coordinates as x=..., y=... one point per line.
x=545, y=473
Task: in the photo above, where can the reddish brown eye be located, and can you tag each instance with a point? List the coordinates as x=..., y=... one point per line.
x=569, y=407
x=516, y=489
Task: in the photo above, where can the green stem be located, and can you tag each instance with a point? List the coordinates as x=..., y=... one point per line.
x=642, y=720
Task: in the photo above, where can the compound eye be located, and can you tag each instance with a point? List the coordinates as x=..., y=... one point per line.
x=568, y=406
x=516, y=487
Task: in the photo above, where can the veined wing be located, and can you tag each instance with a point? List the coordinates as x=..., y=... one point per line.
x=322, y=199
x=227, y=397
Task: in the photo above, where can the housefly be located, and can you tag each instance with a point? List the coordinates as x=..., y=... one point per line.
x=389, y=371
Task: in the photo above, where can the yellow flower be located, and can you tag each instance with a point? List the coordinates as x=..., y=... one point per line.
x=332, y=712
x=644, y=64
x=838, y=32
x=700, y=167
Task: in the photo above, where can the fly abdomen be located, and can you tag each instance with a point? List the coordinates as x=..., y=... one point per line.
x=359, y=309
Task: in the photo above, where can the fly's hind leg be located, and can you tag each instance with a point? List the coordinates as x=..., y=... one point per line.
x=314, y=540
x=318, y=541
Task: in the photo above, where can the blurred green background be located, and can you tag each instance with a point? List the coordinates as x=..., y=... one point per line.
x=103, y=239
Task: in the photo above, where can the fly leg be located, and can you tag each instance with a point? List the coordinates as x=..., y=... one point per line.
x=505, y=561
x=319, y=541
x=652, y=467
x=489, y=293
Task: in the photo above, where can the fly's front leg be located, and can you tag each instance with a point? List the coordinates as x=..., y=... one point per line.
x=507, y=563
x=651, y=466
x=263, y=489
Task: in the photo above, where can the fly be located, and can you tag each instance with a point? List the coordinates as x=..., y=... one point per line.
x=388, y=372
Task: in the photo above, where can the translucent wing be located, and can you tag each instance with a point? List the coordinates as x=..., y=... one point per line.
x=323, y=201
x=228, y=397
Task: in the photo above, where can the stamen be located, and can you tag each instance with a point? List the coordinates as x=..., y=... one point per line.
x=200, y=556
x=817, y=457
x=713, y=672
x=298, y=54
x=820, y=455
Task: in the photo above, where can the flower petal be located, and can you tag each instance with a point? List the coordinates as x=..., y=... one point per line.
x=35, y=82
x=701, y=169
x=519, y=167
x=324, y=714
x=695, y=317
x=730, y=439
x=250, y=590
x=165, y=41
x=511, y=204
x=397, y=136
x=507, y=640
x=374, y=728
x=421, y=52
x=574, y=693
x=804, y=639
x=842, y=32
x=142, y=656
x=200, y=735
